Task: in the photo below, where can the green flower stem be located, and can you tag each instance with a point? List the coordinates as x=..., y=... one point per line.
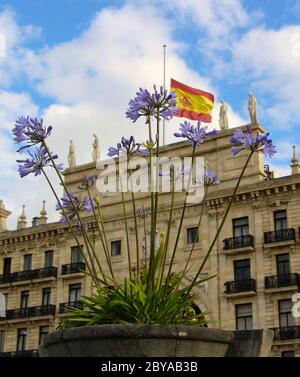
x=88, y=242
x=182, y=215
x=166, y=246
x=198, y=227
x=222, y=223
x=101, y=237
x=127, y=234
x=135, y=221
x=102, y=225
x=145, y=234
x=68, y=221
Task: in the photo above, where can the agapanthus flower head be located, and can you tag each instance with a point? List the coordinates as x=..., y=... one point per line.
x=72, y=203
x=161, y=103
x=250, y=141
x=211, y=178
x=142, y=212
x=88, y=183
x=194, y=134
x=38, y=159
x=30, y=131
x=127, y=147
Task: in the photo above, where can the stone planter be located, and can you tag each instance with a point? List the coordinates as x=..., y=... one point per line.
x=155, y=341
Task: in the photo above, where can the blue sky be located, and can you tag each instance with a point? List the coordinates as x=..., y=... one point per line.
x=77, y=63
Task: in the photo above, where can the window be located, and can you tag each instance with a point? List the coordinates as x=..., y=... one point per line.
x=242, y=270
x=288, y=354
x=243, y=315
x=240, y=227
x=6, y=266
x=285, y=313
x=49, y=258
x=74, y=292
x=192, y=235
x=116, y=248
x=280, y=220
x=76, y=254
x=44, y=330
x=21, y=343
x=46, y=296
x=27, y=262
x=283, y=264
x=24, y=299
x=2, y=334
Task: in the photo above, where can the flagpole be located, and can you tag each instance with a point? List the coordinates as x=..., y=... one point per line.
x=164, y=84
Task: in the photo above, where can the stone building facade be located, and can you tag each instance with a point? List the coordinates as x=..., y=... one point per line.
x=256, y=259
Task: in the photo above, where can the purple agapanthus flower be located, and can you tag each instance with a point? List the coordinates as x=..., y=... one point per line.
x=127, y=147
x=211, y=178
x=37, y=161
x=76, y=203
x=142, y=212
x=194, y=134
x=161, y=103
x=256, y=143
x=30, y=131
x=88, y=183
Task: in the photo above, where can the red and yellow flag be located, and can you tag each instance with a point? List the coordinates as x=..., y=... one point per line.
x=193, y=103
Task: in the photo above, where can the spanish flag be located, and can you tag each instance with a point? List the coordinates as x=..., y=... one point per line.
x=192, y=103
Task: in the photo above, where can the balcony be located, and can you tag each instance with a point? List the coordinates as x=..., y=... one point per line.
x=280, y=236
x=32, y=311
x=72, y=268
x=243, y=242
x=39, y=273
x=27, y=353
x=64, y=306
x=286, y=333
x=280, y=281
x=241, y=286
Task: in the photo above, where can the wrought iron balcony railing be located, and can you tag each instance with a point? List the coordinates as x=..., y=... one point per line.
x=280, y=235
x=278, y=281
x=238, y=242
x=28, y=275
x=27, y=353
x=63, y=307
x=285, y=333
x=72, y=268
x=31, y=311
x=240, y=286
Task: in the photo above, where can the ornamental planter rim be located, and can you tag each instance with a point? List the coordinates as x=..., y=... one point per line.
x=146, y=331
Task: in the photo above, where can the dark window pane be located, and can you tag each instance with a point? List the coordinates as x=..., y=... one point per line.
x=115, y=248
x=192, y=235
x=288, y=354
x=46, y=296
x=27, y=262
x=74, y=292
x=280, y=220
x=283, y=264
x=242, y=270
x=240, y=227
x=2, y=334
x=21, y=343
x=243, y=314
x=285, y=313
x=76, y=254
x=24, y=299
x=49, y=258
x=44, y=330
x=6, y=266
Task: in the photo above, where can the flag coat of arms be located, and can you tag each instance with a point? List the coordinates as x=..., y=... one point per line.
x=191, y=103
